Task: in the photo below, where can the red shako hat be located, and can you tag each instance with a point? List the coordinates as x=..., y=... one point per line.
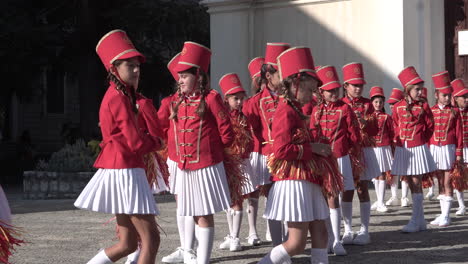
x=230, y=84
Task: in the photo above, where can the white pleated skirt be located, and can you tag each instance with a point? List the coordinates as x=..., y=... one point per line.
x=5, y=213
x=251, y=181
x=202, y=192
x=412, y=161
x=344, y=165
x=372, y=168
x=384, y=158
x=444, y=156
x=118, y=191
x=172, y=167
x=296, y=201
x=260, y=169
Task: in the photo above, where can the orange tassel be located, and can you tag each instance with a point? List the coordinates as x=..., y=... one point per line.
x=235, y=175
x=356, y=157
x=389, y=177
x=459, y=175
x=154, y=163
x=427, y=179
x=8, y=240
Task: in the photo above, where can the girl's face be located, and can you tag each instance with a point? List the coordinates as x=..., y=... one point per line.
x=187, y=82
x=462, y=101
x=378, y=103
x=331, y=95
x=274, y=81
x=304, y=94
x=415, y=92
x=235, y=100
x=391, y=107
x=129, y=71
x=354, y=90
x=443, y=98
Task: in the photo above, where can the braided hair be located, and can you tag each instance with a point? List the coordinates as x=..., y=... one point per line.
x=285, y=90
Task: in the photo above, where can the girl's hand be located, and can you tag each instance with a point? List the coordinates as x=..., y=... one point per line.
x=459, y=158
x=321, y=149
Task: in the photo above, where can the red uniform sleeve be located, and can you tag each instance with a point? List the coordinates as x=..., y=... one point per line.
x=223, y=120
x=283, y=131
x=126, y=121
x=163, y=116
x=429, y=121
x=458, y=134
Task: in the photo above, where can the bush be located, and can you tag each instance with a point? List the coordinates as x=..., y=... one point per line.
x=71, y=158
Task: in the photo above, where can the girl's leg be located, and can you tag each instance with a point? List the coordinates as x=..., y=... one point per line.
x=417, y=222
x=363, y=238
x=347, y=212
x=275, y=228
x=375, y=204
x=318, y=253
x=294, y=245
x=381, y=194
x=148, y=231
x=404, y=191
x=128, y=243
x=236, y=224
x=178, y=255
x=204, y=231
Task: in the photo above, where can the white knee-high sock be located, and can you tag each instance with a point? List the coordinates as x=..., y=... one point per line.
x=394, y=186
x=347, y=212
x=431, y=190
x=377, y=189
x=447, y=201
x=236, y=223
x=460, y=199
x=189, y=237
x=335, y=218
x=181, y=229
x=100, y=258
x=276, y=232
x=252, y=211
x=318, y=256
x=229, y=216
x=278, y=255
x=365, y=216
x=205, y=236
x=404, y=189
x=381, y=192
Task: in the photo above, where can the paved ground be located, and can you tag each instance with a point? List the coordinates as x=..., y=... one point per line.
x=58, y=233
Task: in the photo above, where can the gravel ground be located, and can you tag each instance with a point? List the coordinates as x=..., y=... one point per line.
x=58, y=233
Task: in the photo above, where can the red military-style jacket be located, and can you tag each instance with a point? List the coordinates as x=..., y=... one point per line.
x=200, y=140
x=242, y=133
x=123, y=142
x=448, y=128
x=167, y=125
x=385, y=133
x=464, y=117
x=363, y=108
x=259, y=110
x=287, y=123
x=413, y=126
x=336, y=124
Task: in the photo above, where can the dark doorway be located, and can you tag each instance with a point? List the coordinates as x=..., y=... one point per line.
x=456, y=12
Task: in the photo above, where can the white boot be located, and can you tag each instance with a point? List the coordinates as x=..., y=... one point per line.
x=100, y=258
x=445, y=219
x=461, y=203
x=430, y=193
x=335, y=221
x=436, y=221
x=318, y=256
x=347, y=212
x=277, y=255
x=394, y=187
x=363, y=237
x=404, y=194
x=381, y=205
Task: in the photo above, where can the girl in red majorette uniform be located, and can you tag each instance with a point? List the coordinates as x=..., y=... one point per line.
x=446, y=143
x=413, y=122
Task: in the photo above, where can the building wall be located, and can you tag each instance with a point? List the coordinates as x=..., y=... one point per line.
x=385, y=35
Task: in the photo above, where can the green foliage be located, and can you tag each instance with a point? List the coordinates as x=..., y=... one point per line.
x=71, y=158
